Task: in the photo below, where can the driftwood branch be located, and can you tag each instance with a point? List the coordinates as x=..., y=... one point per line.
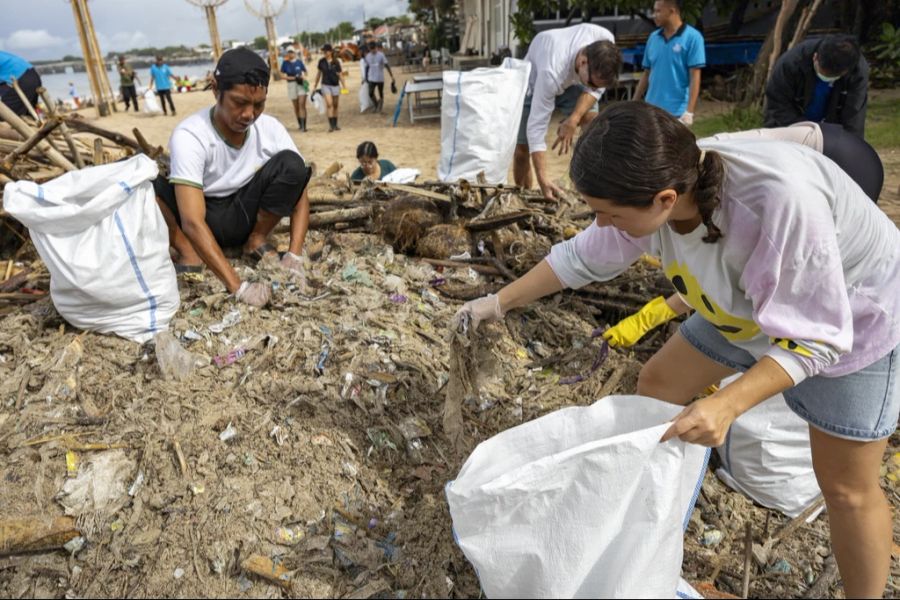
x=343, y=215
x=27, y=131
x=32, y=141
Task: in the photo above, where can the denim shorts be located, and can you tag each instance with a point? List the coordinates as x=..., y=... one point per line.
x=859, y=406
x=565, y=103
x=331, y=90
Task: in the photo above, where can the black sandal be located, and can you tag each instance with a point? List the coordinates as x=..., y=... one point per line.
x=260, y=252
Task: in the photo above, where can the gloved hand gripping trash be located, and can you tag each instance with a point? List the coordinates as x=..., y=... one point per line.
x=255, y=294
x=473, y=312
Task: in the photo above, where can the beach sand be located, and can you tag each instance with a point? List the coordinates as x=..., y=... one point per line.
x=415, y=145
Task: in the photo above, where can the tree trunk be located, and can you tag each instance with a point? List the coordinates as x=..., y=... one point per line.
x=768, y=54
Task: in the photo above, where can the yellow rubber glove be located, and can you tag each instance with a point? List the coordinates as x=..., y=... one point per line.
x=629, y=330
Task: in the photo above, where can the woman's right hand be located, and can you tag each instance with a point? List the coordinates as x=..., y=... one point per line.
x=473, y=312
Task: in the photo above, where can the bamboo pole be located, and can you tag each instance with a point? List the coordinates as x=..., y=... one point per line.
x=101, y=63
x=273, y=48
x=70, y=142
x=25, y=100
x=89, y=65
x=214, y=32
x=26, y=132
x=31, y=142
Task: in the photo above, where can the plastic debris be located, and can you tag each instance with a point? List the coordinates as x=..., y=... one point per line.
x=779, y=566
x=287, y=536
x=138, y=482
x=231, y=319
x=71, y=463
x=323, y=356
x=174, y=361
x=228, y=433
x=398, y=298
x=74, y=545
x=191, y=336
x=179, y=573
x=230, y=358
x=711, y=538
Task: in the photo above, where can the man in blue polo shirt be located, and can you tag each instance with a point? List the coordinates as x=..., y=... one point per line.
x=672, y=61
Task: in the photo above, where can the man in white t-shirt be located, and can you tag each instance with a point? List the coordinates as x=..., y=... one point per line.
x=235, y=173
x=583, y=60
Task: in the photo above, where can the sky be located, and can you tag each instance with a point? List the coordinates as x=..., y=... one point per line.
x=45, y=29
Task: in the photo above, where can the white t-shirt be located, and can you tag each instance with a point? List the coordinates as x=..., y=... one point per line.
x=203, y=159
x=807, y=273
x=375, y=62
x=552, y=56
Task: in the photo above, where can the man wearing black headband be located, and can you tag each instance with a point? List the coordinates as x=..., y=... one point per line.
x=235, y=173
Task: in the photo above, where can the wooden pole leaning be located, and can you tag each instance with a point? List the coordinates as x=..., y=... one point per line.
x=67, y=135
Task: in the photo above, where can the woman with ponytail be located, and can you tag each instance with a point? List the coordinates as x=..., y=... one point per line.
x=794, y=277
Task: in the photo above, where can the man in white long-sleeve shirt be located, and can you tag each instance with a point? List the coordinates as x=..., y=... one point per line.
x=583, y=57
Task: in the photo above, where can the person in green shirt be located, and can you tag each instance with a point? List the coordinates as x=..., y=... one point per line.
x=127, y=77
x=369, y=165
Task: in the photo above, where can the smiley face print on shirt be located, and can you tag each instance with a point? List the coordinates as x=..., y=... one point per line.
x=733, y=328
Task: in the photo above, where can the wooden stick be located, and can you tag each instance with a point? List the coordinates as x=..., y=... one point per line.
x=748, y=555
x=24, y=99
x=264, y=567
x=453, y=264
x=33, y=141
x=26, y=132
x=401, y=187
x=98, y=157
x=51, y=110
x=12, y=283
x=182, y=463
x=35, y=534
x=9, y=268
x=145, y=145
x=122, y=140
x=331, y=217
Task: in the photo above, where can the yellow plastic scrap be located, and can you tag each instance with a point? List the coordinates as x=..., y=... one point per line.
x=522, y=353
x=71, y=463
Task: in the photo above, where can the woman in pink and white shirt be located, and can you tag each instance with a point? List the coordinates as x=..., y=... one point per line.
x=794, y=276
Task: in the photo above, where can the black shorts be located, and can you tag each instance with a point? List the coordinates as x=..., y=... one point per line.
x=29, y=82
x=855, y=156
x=275, y=188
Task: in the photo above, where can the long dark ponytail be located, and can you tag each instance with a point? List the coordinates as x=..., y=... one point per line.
x=634, y=150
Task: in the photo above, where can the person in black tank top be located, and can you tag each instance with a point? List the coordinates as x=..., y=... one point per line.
x=331, y=75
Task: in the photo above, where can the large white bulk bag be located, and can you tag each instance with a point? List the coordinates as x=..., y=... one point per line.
x=105, y=243
x=582, y=503
x=480, y=114
x=766, y=457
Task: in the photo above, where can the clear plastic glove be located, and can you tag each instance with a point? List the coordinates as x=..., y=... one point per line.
x=292, y=262
x=475, y=311
x=630, y=330
x=255, y=294
x=687, y=118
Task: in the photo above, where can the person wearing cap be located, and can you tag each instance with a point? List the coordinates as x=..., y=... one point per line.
x=293, y=70
x=331, y=75
x=235, y=173
x=127, y=77
x=675, y=54
x=161, y=77
x=824, y=80
x=15, y=67
x=570, y=69
x=375, y=64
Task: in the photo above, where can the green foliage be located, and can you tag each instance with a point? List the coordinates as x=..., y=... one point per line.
x=738, y=119
x=260, y=42
x=885, y=57
x=883, y=123
x=374, y=23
